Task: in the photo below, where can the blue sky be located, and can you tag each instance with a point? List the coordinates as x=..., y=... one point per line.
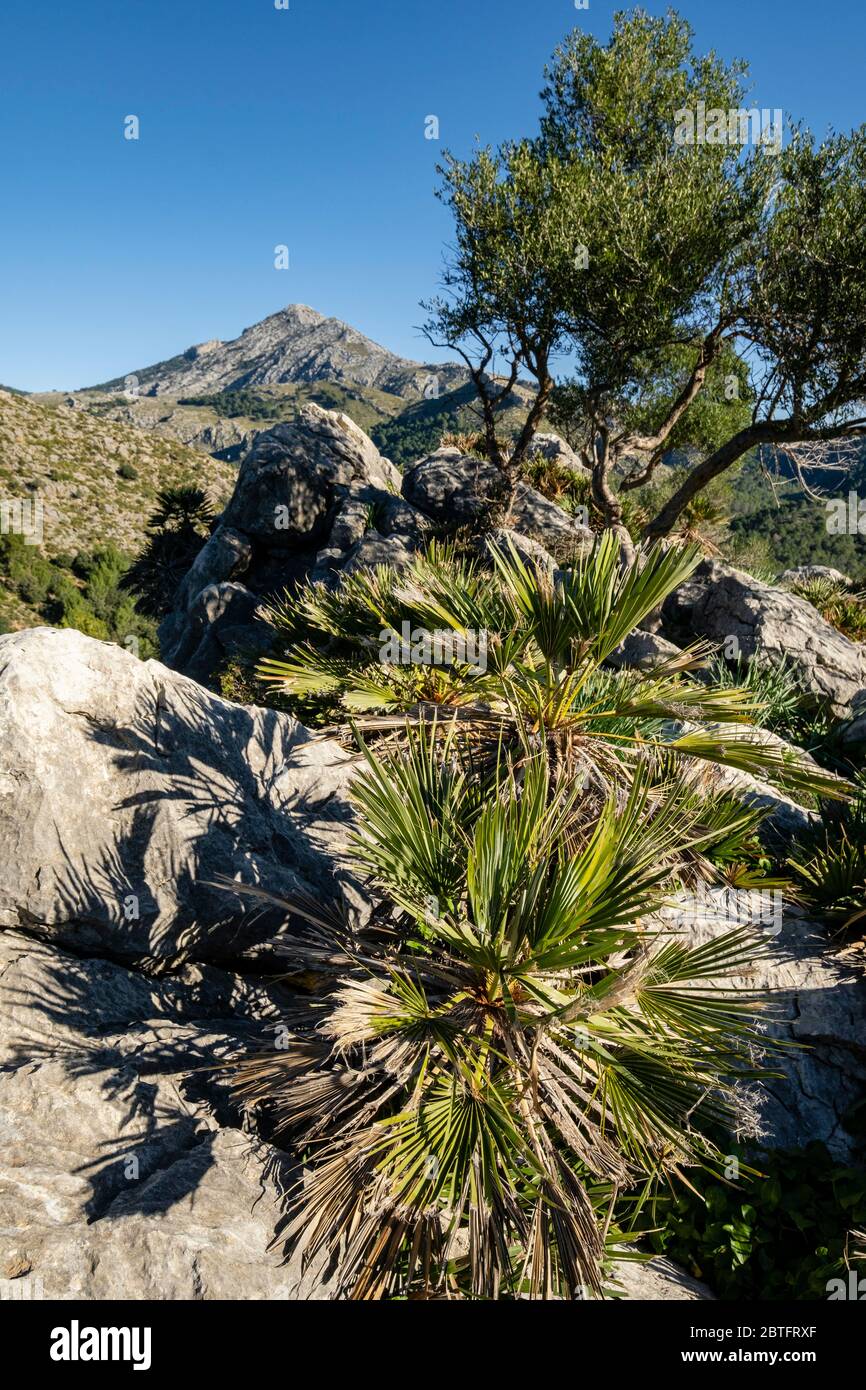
x=302, y=127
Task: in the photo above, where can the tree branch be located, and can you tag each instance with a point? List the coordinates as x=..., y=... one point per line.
x=653, y=444
x=764, y=432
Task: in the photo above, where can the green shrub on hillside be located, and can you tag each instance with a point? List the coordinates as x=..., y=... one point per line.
x=795, y=533
x=178, y=529
x=243, y=401
x=82, y=591
x=829, y=863
x=838, y=604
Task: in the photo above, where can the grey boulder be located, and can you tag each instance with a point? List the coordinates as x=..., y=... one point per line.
x=771, y=625
x=643, y=651
x=455, y=489
x=817, y=999
x=295, y=475
x=311, y=496
x=803, y=573
x=555, y=450
x=124, y=1170
x=128, y=794
x=658, y=1280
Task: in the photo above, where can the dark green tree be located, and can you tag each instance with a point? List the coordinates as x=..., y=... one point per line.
x=709, y=294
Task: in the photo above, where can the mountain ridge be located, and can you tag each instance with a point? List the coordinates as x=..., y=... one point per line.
x=295, y=344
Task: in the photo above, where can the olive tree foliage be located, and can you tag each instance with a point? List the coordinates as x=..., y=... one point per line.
x=802, y=310
x=706, y=296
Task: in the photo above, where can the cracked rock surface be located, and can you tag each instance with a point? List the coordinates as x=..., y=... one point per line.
x=118, y=1178
x=123, y=1174
x=816, y=1000
x=125, y=1170
x=451, y=487
x=772, y=625
x=128, y=793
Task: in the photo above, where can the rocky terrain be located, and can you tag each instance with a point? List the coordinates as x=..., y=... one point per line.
x=132, y=797
x=122, y=964
x=126, y=792
x=345, y=506
x=349, y=506
x=295, y=344
x=205, y=426
x=128, y=967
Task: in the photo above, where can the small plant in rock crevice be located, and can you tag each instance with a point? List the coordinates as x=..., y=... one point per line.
x=829, y=863
x=840, y=604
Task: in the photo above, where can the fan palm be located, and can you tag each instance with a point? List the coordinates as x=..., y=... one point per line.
x=838, y=602
x=178, y=529
x=515, y=1038
x=547, y=636
x=829, y=862
x=515, y=1044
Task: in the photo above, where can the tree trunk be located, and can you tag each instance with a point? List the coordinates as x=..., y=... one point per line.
x=607, y=499
x=662, y=524
x=533, y=420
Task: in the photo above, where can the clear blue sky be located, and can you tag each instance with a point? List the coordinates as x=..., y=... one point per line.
x=302, y=126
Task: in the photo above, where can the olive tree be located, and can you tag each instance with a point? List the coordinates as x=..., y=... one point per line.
x=666, y=268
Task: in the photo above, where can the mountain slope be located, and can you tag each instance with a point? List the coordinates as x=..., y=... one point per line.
x=222, y=423
x=297, y=344
x=97, y=480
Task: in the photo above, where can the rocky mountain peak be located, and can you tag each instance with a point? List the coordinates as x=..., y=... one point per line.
x=295, y=344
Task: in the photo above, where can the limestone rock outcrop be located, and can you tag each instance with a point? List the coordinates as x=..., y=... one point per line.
x=126, y=1170
x=128, y=793
x=771, y=625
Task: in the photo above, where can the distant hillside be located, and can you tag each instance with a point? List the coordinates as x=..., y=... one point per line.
x=297, y=344
x=795, y=533
x=97, y=480
x=217, y=395
x=789, y=525
x=418, y=428
x=222, y=423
